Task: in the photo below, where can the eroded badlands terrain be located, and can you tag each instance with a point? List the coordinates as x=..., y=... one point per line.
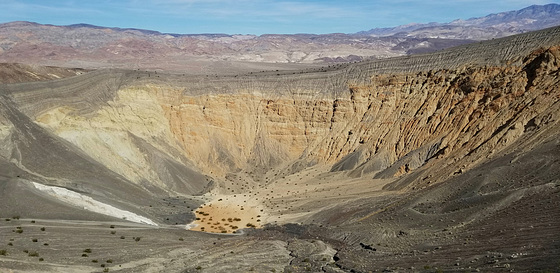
x=447, y=161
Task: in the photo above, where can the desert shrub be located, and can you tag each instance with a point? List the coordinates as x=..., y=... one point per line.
x=106, y=269
x=10, y=244
x=3, y=252
x=94, y=261
x=113, y=232
x=109, y=261
x=41, y=259
x=34, y=240
x=181, y=239
x=19, y=230
x=198, y=267
x=137, y=239
x=33, y=254
x=45, y=244
x=84, y=255
x=112, y=226
x=87, y=250
x=15, y=217
x=122, y=237
x=43, y=229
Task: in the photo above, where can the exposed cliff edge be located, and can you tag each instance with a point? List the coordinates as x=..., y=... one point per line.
x=382, y=118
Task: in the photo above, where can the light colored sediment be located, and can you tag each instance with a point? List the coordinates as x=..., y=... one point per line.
x=88, y=203
x=227, y=214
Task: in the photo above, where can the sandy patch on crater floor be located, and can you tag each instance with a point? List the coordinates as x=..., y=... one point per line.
x=227, y=214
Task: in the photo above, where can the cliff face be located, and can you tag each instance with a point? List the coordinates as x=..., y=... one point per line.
x=389, y=127
x=380, y=119
x=409, y=118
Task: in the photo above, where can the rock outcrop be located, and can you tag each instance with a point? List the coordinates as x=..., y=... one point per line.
x=149, y=127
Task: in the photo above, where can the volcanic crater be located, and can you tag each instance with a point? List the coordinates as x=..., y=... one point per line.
x=443, y=161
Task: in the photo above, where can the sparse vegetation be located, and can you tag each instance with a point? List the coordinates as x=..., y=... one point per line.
x=3, y=252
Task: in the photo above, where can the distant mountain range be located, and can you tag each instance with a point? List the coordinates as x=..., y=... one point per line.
x=491, y=26
x=89, y=46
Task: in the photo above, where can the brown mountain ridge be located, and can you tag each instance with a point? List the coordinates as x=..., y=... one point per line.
x=92, y=47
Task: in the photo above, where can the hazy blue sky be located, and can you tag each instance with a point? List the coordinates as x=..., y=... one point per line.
x=252, y=16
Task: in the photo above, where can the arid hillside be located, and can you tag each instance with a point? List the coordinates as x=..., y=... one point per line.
x=15, y=73
x=94, y=47
x=444, y=161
